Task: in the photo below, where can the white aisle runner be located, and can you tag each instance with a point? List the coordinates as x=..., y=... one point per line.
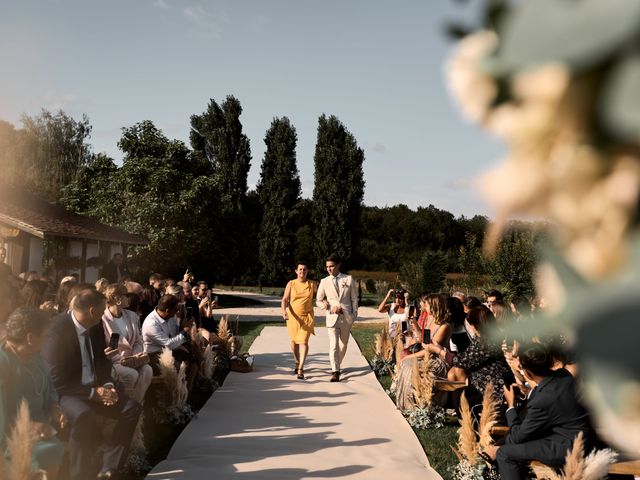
x=267, y=424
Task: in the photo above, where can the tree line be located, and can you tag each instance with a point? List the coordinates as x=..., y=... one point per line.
x=193, y=204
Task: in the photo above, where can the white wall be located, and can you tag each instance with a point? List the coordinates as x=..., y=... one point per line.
x=92, y=274
x=36, y=251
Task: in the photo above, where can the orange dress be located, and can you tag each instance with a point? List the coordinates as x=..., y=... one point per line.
x=300, y=314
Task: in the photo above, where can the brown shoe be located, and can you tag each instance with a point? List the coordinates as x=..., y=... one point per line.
x=335, y=377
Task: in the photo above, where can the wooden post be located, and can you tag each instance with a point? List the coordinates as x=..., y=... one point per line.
x=83, y=261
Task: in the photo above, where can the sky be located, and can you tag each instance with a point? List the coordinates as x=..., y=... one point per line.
x=377, y=65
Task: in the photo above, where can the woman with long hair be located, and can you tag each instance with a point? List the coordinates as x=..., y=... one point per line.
x=436, y=331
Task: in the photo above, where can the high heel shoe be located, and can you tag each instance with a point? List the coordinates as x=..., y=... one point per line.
x=300, y=374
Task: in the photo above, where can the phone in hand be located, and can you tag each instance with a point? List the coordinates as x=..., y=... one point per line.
x=412, y=311
x=508, y=378
x=427, y=336
x=113, y=341
x=209, y=294
x=404, y=326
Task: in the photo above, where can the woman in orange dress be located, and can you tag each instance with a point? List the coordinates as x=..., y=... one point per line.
x=297, y=310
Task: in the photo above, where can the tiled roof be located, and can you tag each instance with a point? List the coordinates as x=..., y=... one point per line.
x=21, y=210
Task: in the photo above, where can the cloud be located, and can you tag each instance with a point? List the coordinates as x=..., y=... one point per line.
x=162, y=4
x=377, y=147
x=460, y=184
x=54, y=101
x=205, y=24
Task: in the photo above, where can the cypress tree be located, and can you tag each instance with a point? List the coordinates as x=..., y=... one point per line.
x=338, y=191
x=216, y=137
x=279, y=192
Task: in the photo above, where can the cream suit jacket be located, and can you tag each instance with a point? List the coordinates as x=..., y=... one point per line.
x=346, y=297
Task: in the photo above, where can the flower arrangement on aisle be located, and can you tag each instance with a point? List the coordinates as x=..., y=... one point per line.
x=137, y=460
x=383, y=362
x=577, y=466
x=425, y=414
x=471, y=442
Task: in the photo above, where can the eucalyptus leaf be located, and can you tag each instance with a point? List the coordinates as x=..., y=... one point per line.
x=582, y=34
x=619, y=103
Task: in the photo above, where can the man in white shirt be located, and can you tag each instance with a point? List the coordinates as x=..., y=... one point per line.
x=338, y=295
x=160, y=329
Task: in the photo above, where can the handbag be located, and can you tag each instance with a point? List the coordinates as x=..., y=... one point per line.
x=242, y=364
x=135, y=361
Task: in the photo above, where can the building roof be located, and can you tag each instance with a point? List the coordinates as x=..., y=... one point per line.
x=26, y=212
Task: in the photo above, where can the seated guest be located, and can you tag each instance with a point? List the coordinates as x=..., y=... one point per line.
x=115, y=271
x=62, y=296
x=190, y=302
x=552, y=420
x=23, y=376
x=147, y=302
x=439, y=332
x=160, y=329
x=102, y=284
x=76, y=355
x=397, y=310
x=205, y=307
x=33, y=293
x=471, y=302
x=483, y=361
x=493, y=296
x=133, y=287
x=436, y=333
x=459, y=336
x=156, y=281
x=130, y=363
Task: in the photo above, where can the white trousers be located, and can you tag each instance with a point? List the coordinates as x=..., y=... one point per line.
x=135, y=381
x=338, y=340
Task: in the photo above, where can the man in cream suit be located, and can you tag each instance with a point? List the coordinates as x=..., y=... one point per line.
x=338, y=295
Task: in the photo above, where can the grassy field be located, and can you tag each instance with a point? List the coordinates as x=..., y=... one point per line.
x=436, y=443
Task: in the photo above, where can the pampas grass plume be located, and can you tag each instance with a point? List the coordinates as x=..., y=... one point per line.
x=207, y=363
x=542, y=472
x=467, y=446
x=488, y=418
x=20, y=444
x=182, y=392
x=574, y=463
x=596, y=465
x=169, y=375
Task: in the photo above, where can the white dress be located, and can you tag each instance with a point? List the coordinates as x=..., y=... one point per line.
x=395, y=320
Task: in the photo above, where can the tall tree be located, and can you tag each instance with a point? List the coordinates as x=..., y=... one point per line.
x=156, y=193
x=216, y=137
x=45, y=155
x=338, y=190
x=279, y=192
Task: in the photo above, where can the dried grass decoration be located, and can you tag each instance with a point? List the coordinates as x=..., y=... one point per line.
x=174, y=408
x=20, y=443
x=470, y=443
x=594, y=467
x=425, y=414
x=383, y=361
